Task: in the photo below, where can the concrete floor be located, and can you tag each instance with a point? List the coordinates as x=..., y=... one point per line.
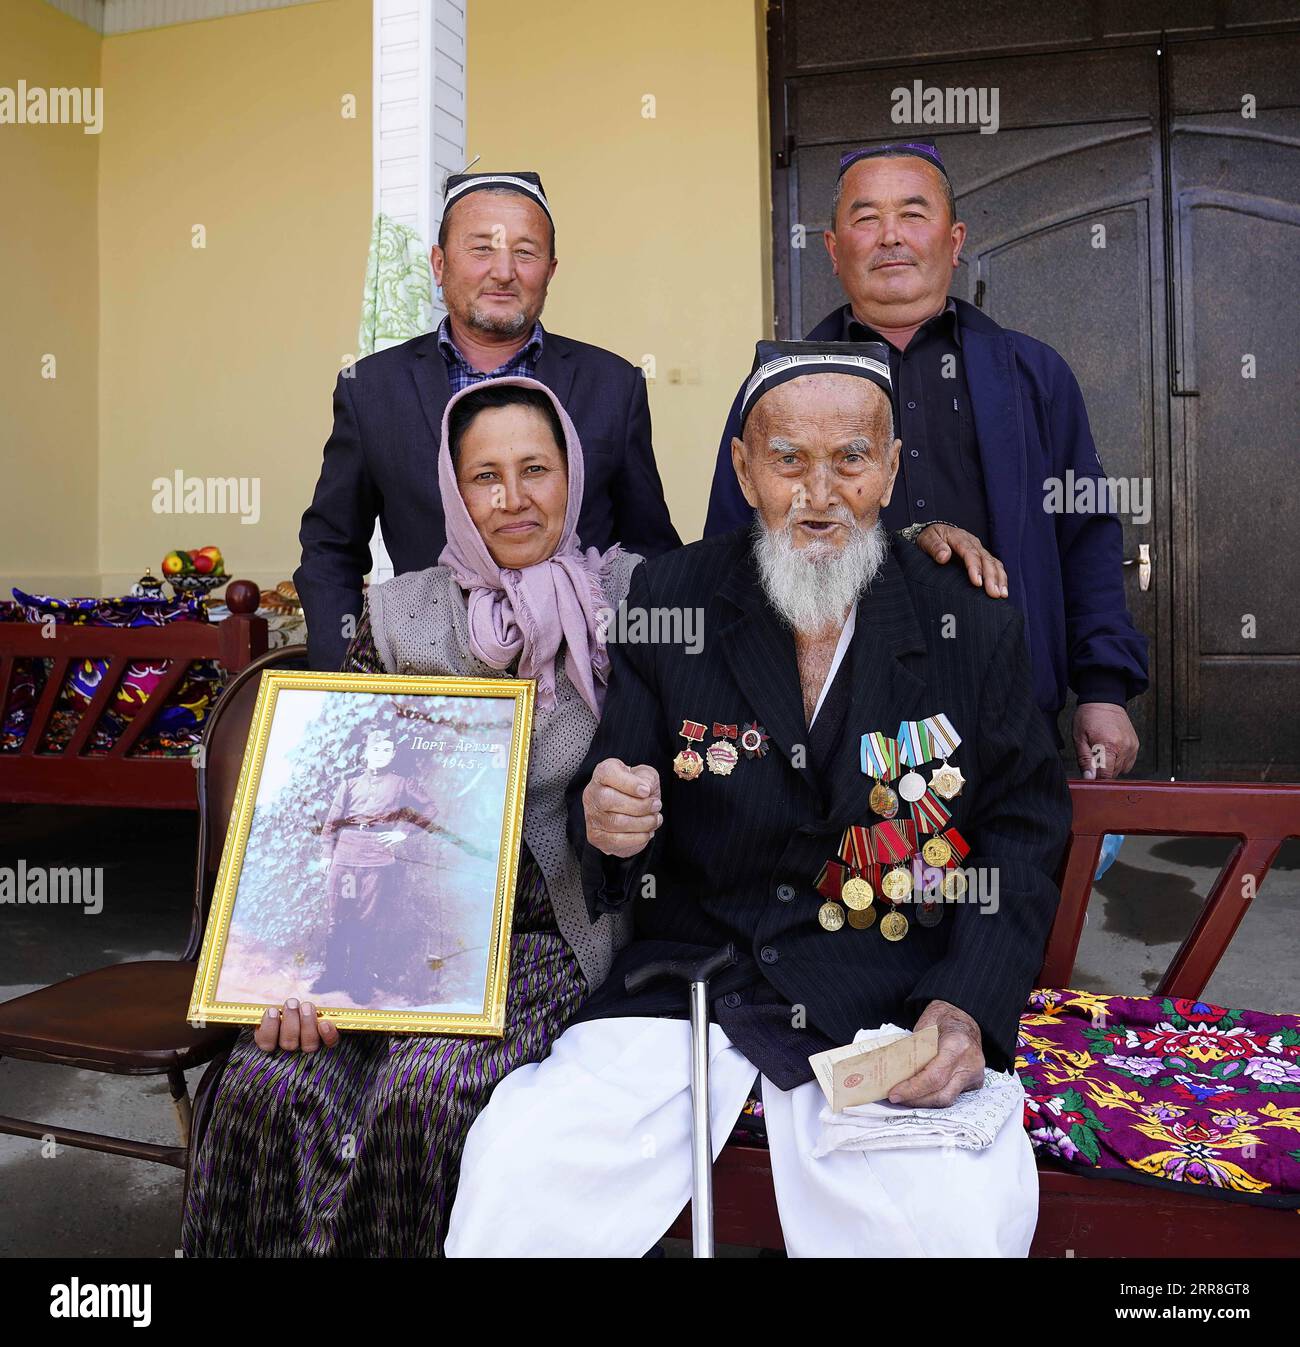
x=78, y=1203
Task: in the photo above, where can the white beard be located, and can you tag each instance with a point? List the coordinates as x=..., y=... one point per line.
x=813, y=587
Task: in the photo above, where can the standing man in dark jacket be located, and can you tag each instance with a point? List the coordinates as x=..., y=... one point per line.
x=494, y=259
x=988, y=418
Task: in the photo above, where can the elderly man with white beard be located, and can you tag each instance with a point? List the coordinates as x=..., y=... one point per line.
x=852, y=755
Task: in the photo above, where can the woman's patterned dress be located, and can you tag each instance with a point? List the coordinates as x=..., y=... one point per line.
x=355, y=1150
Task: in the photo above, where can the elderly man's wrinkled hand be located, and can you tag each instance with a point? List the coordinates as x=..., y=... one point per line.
x=941, y=542
x=622, y=807
x=958, y=1067
x=295, y=1029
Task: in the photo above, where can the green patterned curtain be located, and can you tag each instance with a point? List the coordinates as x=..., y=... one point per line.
x=398, y=300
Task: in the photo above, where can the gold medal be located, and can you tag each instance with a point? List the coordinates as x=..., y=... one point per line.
x=947, y=780
x=893, y=925
x=936, y=852
x=896, y=886
x=857, y=894
x=688, y=764
x=882, y=800
x=954, y=885
x=862, y=919
x=831, y=916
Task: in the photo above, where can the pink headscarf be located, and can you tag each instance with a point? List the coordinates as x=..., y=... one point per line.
x=530, y=613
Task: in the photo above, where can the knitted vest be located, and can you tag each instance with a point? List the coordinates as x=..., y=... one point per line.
x=418, y=621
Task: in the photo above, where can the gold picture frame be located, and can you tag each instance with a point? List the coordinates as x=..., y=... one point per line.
x=276, y=913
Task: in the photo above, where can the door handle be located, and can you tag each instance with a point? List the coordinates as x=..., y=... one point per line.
x=1143, y=562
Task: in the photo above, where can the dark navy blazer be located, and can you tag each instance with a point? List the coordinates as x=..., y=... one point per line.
x=737, y=856
x=381, y=459
x=1063, y=570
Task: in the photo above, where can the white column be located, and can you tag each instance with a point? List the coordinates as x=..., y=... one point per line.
x=419, y=126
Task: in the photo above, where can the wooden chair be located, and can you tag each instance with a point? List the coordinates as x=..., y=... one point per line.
x=129, y=1019
x=1081, y=1215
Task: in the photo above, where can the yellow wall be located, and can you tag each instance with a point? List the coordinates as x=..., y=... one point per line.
x=663, y=223
x=220, y=361
x=49, y=305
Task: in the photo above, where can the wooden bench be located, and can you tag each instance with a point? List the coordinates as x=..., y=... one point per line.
x=1080, y=1215
x=71, y=774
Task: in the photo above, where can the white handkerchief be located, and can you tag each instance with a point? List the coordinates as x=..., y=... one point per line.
x=970, y=1123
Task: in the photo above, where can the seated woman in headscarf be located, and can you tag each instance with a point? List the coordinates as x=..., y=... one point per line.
x=354, y=1149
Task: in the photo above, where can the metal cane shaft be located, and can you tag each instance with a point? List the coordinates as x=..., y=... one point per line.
x=701, y=1138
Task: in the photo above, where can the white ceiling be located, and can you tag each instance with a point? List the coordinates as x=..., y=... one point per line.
x=127, y=16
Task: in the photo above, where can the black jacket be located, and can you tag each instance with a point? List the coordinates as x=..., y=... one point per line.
x=737, y=856
x=382, y=460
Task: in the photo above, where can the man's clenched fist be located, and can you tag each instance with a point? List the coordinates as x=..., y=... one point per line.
x=622, y=805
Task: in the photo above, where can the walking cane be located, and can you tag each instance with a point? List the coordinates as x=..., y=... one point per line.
x=697, y=975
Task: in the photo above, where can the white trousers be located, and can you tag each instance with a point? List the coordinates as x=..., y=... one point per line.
x=587, y=1154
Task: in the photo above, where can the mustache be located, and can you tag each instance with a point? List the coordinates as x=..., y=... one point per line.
x=834, y=514
x=896, y=256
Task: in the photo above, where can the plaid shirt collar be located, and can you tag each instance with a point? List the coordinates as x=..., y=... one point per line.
x=462, y=374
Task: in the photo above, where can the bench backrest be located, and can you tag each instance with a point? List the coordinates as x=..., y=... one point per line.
x=1259, y=817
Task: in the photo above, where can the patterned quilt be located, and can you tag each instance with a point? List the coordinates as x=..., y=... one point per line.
x=1173, y=1091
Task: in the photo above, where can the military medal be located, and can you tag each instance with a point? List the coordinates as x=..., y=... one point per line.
x=912, y=787
x=856, y=851
x=688, y=764
x=893, y=925
x=928, y=914
x=954, y=885
x=753, y=741
x=882, y=800
x=896, y=886
x=857, y=894
x=880, y=760
x=831, y=916
x=862, y=919
x=722, y=758
x=947, y=781
x=936, y=851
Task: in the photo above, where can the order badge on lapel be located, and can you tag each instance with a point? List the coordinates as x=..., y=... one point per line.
x=722, y=756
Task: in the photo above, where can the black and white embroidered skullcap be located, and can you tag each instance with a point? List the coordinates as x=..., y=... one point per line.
x=526, y=184
x=777, y=362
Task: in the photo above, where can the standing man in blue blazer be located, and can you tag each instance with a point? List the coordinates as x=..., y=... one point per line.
x=494, y=259
x=987, y=418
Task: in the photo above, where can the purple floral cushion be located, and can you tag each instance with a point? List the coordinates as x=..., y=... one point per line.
x=1165, y=1091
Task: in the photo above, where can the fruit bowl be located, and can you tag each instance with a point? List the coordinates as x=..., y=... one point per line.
x=196, y=584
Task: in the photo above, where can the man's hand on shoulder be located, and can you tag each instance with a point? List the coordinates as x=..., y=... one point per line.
x=1105, y=742
x=958, y=1067
x=940, y=542
x=622, y=807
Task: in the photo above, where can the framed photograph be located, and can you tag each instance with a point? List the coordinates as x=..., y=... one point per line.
x=370, y=862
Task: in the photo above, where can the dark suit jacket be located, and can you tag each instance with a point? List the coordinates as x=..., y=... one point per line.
x=382, y=460
x=1064, y=571
x=737, y=857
